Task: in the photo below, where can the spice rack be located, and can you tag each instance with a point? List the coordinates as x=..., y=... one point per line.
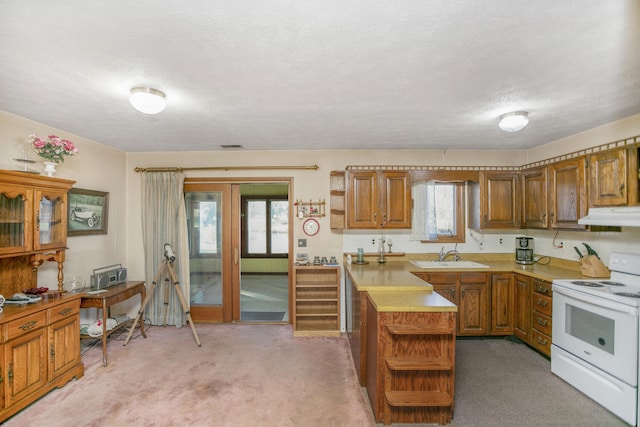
x=310, y=208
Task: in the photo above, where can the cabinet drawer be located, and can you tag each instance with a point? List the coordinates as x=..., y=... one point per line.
x=541, y=342
x=542, y=287
x=26, y=324
x=63, y=311
x=473, y=277
x=542, y=323
x=542, y=304
x=440, y=278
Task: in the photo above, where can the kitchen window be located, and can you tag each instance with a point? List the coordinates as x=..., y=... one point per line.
x=438, y=212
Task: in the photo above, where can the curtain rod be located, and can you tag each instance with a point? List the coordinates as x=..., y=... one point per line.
x=224, y=168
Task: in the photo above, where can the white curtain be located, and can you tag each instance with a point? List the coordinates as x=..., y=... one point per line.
x=424, y=220
x=164, y=221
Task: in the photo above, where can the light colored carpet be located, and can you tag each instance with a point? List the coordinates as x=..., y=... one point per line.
x=243, y=375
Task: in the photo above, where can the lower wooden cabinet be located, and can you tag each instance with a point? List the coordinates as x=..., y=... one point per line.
x=522, y=319
x=541, y=324
x=39, y=351
x=317, y=300
x=485, y=301
x=411, y=365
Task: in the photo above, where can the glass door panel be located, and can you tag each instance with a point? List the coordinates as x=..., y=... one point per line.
x=15, y=220
x=204, y=221
x=51, y=218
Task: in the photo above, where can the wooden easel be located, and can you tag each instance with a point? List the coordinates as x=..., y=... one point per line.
x=165, y=266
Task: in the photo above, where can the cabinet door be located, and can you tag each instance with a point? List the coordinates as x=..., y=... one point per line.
x=473, y=313
x=25, y=359
x=16, y=228
x=50, y=220
x=363, y=200
x=395, y=199
x=568, y=192
x=500, y=205
x=502, y=303
x=64, y=346
x=608, y=178
x=443, y=283
x=534, y=198
x=522, y=325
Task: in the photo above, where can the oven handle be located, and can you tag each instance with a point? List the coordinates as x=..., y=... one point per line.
x=598, y=302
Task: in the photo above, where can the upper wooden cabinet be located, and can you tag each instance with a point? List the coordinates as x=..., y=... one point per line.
x=495, y=201
x=33, y=213
x=613, y=180
x=378, y=199
x=567, y=193
x=534, y=198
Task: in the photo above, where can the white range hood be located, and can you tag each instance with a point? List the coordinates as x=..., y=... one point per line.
x=621, y=216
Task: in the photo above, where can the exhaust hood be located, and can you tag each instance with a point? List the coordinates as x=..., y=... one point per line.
x=621, y=216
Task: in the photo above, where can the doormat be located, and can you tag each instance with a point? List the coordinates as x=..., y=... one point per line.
x=263, y=316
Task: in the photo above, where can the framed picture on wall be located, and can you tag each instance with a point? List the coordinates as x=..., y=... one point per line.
x=88, y=212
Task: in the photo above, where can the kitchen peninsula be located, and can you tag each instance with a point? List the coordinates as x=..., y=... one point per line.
x=402, y=331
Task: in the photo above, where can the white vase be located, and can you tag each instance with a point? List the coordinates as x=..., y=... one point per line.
x=49, y=168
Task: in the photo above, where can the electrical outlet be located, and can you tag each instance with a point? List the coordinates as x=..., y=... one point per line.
x=500, y=241
x=302, y=243
x=373, y=242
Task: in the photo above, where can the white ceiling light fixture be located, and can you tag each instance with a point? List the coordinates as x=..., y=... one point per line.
x=147, y=100
x=514, y=121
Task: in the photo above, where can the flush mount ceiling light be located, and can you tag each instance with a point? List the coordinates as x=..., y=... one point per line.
x=147, y=100
x=514, y=121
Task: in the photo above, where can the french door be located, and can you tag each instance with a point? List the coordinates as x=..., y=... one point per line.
x=215, y=229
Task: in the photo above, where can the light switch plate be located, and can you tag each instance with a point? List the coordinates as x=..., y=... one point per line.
x=302, y=243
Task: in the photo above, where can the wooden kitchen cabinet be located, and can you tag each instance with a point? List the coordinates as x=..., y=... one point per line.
x=378, y=199
x=522, y=319
x=502, y=304
x=411, y=365
x=534, y=198
x=33, y=227
x=39, y=350
x=608, y=178
x=567, y=194
x=494, y=202
x=316, y=302
x=541, y=323
x=473, y=307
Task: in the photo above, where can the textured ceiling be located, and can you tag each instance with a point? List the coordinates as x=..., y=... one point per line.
x=324, y=74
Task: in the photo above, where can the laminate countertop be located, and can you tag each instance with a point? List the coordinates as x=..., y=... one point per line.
x=393, y=286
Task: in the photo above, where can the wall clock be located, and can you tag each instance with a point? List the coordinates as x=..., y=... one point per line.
x=311, y=227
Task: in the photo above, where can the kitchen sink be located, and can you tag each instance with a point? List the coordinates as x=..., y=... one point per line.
x=448, y=264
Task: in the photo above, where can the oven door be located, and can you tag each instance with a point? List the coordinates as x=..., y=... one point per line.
x=601, y=332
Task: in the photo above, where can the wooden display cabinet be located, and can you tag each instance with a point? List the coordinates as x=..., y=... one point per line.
x=33, y=227
x=316, y=303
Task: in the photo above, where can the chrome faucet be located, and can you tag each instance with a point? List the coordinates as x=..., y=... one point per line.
x=454, y=252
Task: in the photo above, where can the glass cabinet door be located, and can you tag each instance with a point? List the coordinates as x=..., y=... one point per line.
x=51, y=220
x=16, y=231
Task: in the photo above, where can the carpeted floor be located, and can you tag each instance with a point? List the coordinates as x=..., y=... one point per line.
x=259, y=375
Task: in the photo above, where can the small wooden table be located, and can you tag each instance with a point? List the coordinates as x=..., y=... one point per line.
x=104, y=300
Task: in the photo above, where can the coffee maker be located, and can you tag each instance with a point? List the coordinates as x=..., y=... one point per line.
x=524, y=250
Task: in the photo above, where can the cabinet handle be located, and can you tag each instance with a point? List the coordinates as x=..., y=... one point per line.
x=621, y=186
x=375, y=216
x=52, y=352
x=541, y=290
x=542, y=322
x=544, y=216
x=1, y=378
x=235, y=256
x=10, y=374
x=38, y=221
x=551, y=215
x=542, y=302
x=28, y=325
x=384, y=219
x=541, y=341
x=65, y=311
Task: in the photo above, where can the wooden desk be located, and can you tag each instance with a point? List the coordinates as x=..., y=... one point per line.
x=104, y=300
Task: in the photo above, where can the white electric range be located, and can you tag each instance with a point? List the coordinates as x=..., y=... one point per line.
x=596, y=335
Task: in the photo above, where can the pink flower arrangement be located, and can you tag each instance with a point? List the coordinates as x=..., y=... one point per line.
x=54, y=148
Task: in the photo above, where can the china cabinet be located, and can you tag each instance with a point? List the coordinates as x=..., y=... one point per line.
x=33, y=227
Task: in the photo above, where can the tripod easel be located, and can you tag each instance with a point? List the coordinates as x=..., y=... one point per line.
x=166, y=265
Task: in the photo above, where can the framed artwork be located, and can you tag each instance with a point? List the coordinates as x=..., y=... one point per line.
x=88, y=212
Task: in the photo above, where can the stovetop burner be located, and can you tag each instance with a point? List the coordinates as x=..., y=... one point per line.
x=611, y=283
x=627, y=294
x=588, y=284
